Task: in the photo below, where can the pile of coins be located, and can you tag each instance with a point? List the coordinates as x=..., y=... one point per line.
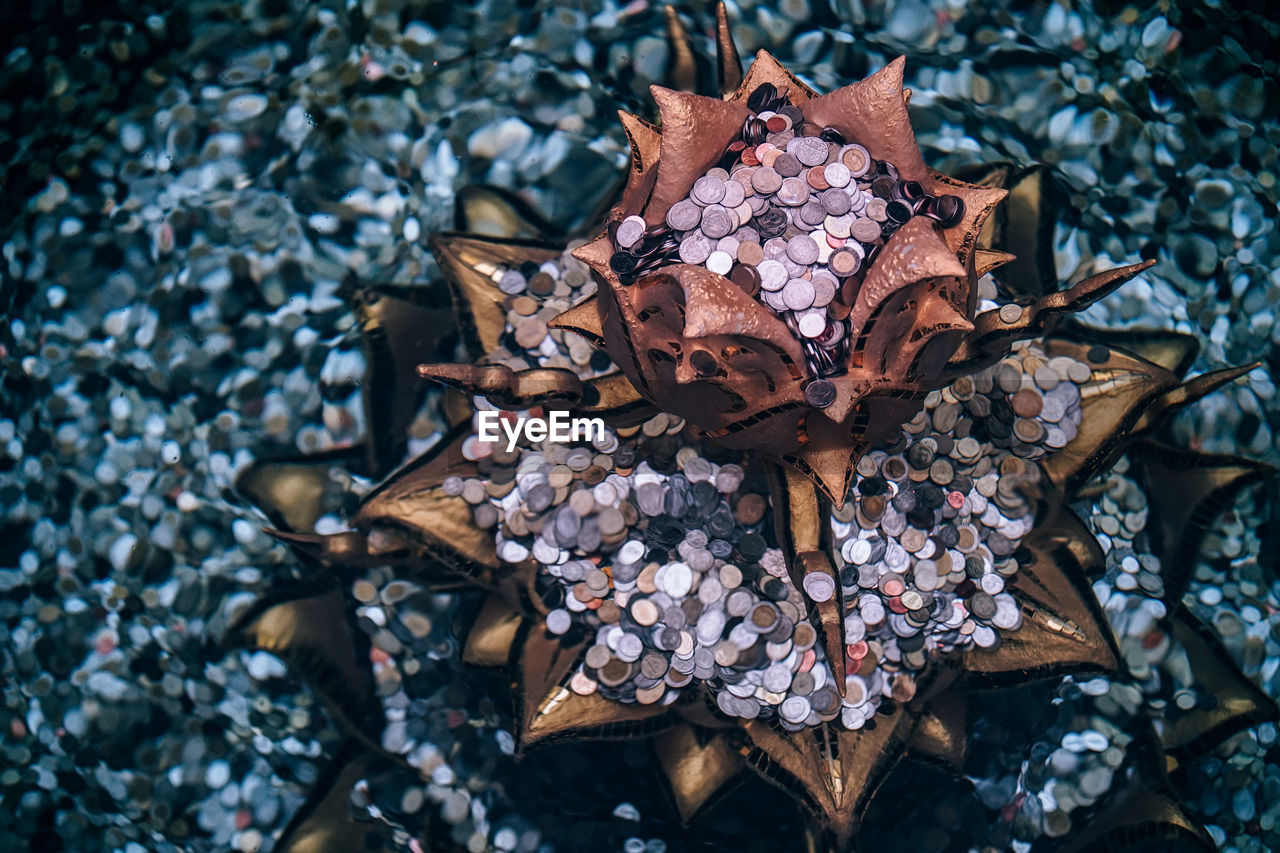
x=794, y=215
x=927, y=542
x=534, y=295
x=660, y=557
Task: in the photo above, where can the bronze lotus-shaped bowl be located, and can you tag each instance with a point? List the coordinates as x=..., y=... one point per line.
x=698, y=344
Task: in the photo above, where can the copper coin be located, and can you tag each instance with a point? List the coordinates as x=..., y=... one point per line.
x=817, y=179
x=750, y=508
x=1027, y=403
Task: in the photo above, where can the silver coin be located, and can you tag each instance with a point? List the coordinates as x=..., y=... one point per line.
x=684, y=215
x=803, y=250
x=720, y=262
x=718, y=221
x=734, y=194
x=865, y=230
x=812, y=325
x=773, y=275
x=819, y=586
x=707, y=190
x=798, y=294
x=837, y=174
x=811, y=151
x=794, y=709
x=695, y=248
x=629, y=232
x=824, y=289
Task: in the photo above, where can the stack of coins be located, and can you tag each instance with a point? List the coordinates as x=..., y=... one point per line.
x=927, y=542
x=534, y=294
x=795, y=216
x=658, y=555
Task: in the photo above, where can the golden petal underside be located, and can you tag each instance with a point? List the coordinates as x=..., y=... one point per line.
x=1140, y=819
x=1024, y=225
x=492, y=634
x=1186, y=393
x=470, y=263
x=615, y=399
x=993, y=335
x=979, y=203
x=646, y=142
x=799, y=518
x=582, y=319
x=1112, y=401
x=507, y=388
x=1174, y=351
x=830, y=468
x=413, y=503
x=488, y=211
x=942, y=736
x=291, y=492
x=547, y=710
x=1029, y=216
x=324, y=823
x=697, y=764
x=766, y=69
x=682, y=67
x=873, y=113
x=695, y=132
x=727, y=60
x=1063, y=629
x=986, y=260
x=834, y=771
x=1239, y=703
x=312, y=636
x=1187, y=492
x=915, y=252
x=398, y=336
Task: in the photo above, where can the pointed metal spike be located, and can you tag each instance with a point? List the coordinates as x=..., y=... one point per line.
x=1187, y=492
x=1174, y=351
x=698, y=764
x=727, y=59
x=492, y=211
x=993, y=333
x=682, y=65
x=1238, y=701
x=313, y=637
x=324, y=822
x=1113, y=399
x=766, y=69
x=986, y=260
x=1140, y=819
x=582, y=319
x=1063, y=629
x=546, y=710
x=291, y=491
x=509, y=388
x=833, y=771
x=1186, y=393
x=942, y=736
x=492, y=634
x=470, y=264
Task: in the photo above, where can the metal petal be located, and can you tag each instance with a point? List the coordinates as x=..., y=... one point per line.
x=412, y=502
x=1187, y=492
x=313, y=637
x=398, y=335
x=546, y=710
x=490, y=211
x=507, y=388
x=492, y=634
x=1174, y=351
x=1140, y=819
x=697, y=764
x=291, y=491
x=800, y=521
x=830, y=769
x=324, y=822
x=470, y=263
x=766, y=69
x=1063, y=629
x=1112, y=401
x=942, y=736
x=727, y=59
x=1239, y=702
